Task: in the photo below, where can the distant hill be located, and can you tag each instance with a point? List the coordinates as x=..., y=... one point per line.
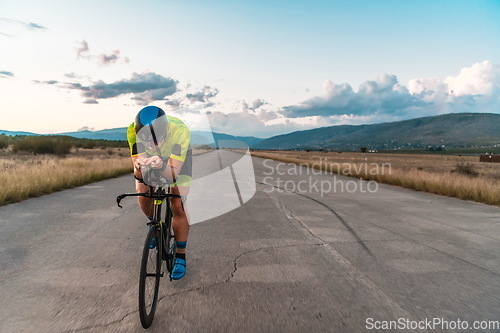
x=451, y=130
x=197, y=137
x=13, y=133
x=221, y=140
x=106, y=134
x=229, y=141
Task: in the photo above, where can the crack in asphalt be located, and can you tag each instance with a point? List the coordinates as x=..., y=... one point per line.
x=235, y=267
x=199, y=288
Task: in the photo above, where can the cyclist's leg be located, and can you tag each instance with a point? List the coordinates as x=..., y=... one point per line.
x=180, y=221
x=146, y=204
x=180, y=224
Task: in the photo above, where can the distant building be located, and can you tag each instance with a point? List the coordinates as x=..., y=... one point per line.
x=489, y=158
x=436, y=148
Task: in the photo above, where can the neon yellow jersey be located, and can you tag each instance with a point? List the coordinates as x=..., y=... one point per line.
x=176, y=144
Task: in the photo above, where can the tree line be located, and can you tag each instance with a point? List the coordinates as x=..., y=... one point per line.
x=53, y=144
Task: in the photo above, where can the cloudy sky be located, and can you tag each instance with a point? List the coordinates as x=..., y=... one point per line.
x=256, y=68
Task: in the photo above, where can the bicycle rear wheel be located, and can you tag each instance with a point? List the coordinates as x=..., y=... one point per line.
x=149, y=281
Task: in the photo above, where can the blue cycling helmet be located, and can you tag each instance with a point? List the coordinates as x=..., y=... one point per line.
x=151, y=124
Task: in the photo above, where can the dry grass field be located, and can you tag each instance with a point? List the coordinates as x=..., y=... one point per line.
x=462, y=177
x=25, y=175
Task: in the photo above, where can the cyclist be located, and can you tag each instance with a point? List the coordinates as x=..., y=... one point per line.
x=161, y=143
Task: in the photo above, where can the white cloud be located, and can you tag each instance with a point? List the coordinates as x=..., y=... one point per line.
x=146, y=88
x=6, y=74
x=258, y=118
x=192, y=98
x=482, y=78
x=83, y=52
x=85, y=128
x=81, y=49
x=12, y=24
x=474, y=89
x=114, y=57
x=262, y=124
x=256, y=104
x=384, y=95
x=432, y=85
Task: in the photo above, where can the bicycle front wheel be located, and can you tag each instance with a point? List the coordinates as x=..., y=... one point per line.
x=149, y=281
x=170, y=246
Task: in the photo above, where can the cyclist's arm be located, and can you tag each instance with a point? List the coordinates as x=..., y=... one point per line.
x=137, y=161
x=170, y=168
x=173, y=167
x=136, y=156
x=179, y=152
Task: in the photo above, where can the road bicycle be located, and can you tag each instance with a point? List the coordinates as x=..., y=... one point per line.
x=159, y=246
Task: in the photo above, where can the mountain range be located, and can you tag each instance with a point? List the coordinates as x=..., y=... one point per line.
x=450, y=130
x=197, y=137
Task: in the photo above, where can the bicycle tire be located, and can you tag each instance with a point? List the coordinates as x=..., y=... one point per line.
x=148, y=297
x=170, y=246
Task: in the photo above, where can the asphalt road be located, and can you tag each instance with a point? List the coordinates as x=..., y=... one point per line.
x=286, y=261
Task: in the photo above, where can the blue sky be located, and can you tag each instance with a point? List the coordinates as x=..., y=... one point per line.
x=252, y=68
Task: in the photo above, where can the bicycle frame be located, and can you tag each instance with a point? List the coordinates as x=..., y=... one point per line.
x=159, y=196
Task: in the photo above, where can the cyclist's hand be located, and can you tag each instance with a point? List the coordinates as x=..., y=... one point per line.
x=140, y=162
x=155, y=162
